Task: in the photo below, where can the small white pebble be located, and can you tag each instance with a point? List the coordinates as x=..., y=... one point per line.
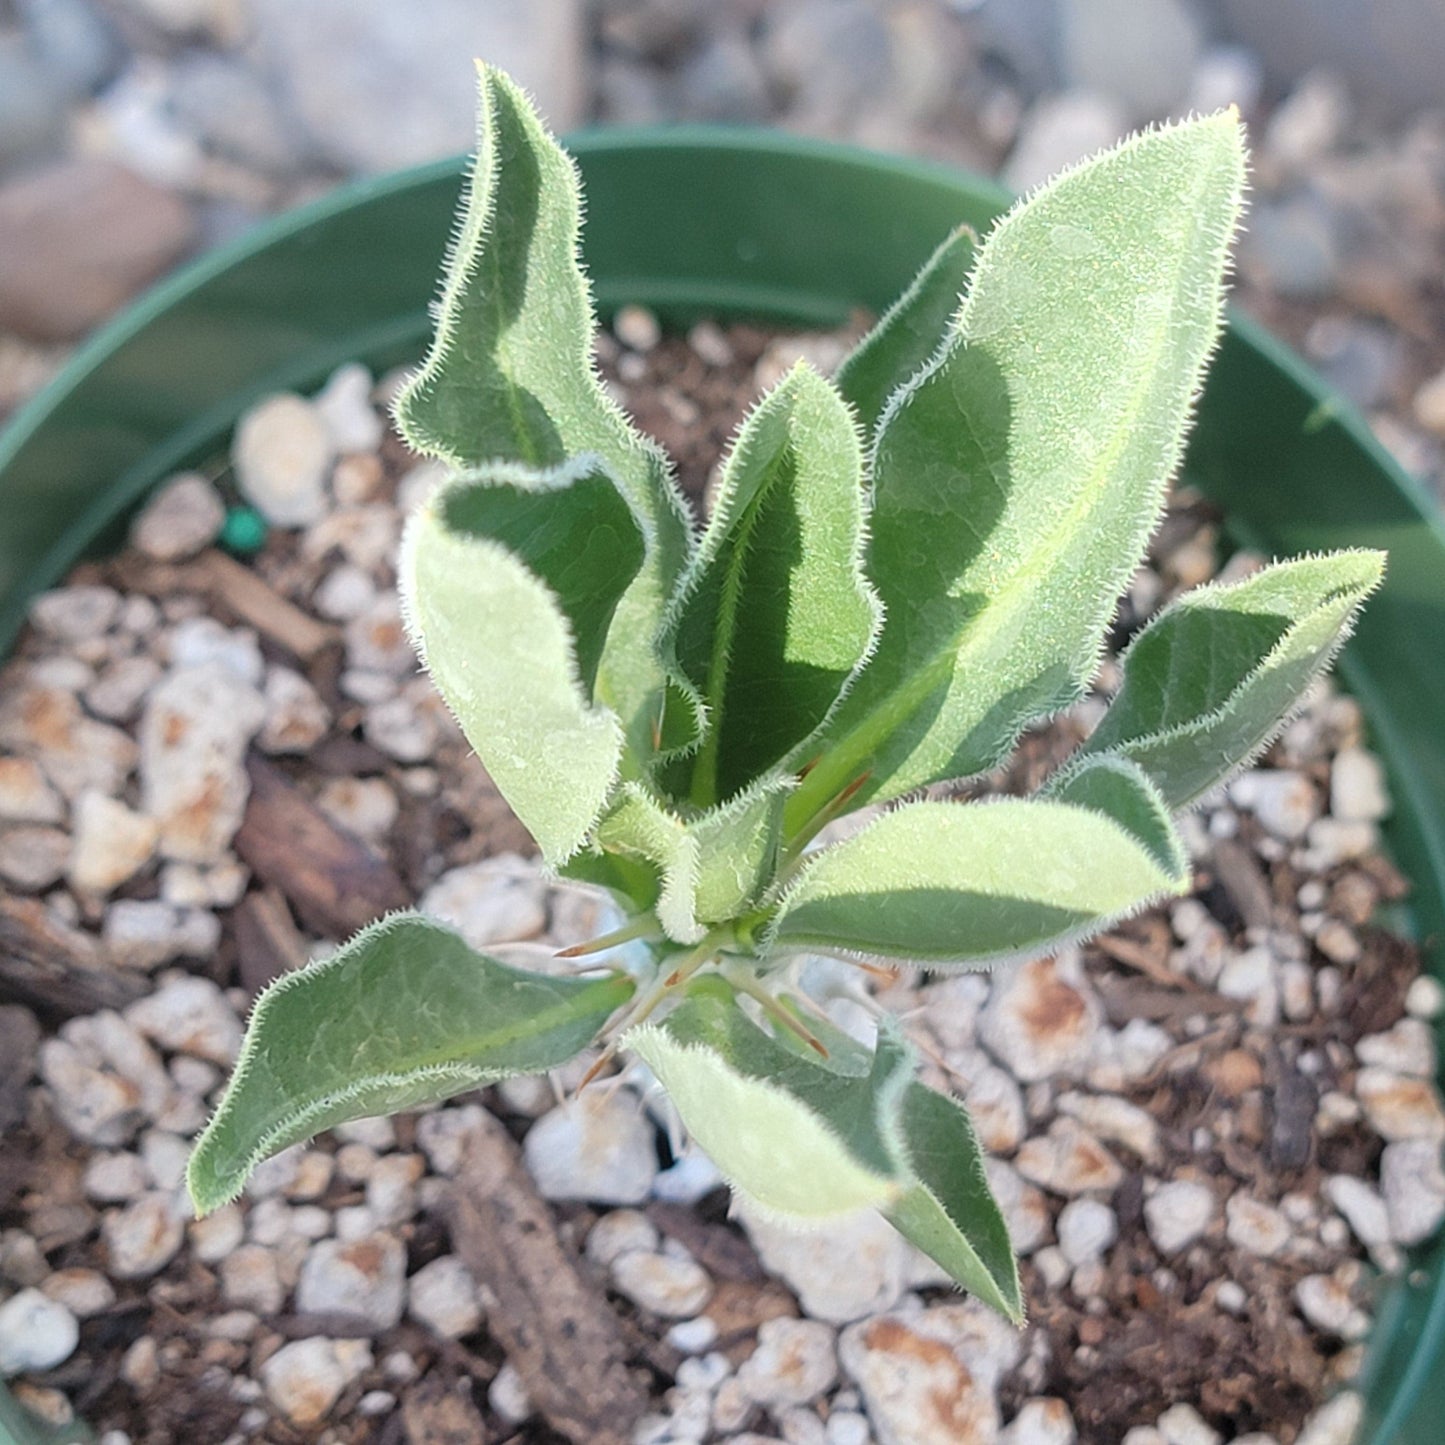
x=636, y=328
x=507, y=1395
x=693, y=1336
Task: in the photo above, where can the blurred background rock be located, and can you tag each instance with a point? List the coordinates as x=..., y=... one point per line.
x=137, y=133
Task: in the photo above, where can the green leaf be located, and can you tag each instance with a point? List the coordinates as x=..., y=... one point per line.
x=1209, y=682
x=910, y=333
x=950, y=1213
x=510, y=580
x=776, y=613
x=808, y=1139
x=1017, y=479
x=799, y=1138
x=403, y=1015
x=510, y=377
x=974, y=883
x=711, y=866
x=1122, y=791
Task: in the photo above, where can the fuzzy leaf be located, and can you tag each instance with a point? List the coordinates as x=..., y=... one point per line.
x=776, y=613
x=1210, y=680
x=910, y=333
x=799, y=1138
x=711, y=866
x=949, y=1212
x=808, y=1139
x=1122, y=791
x=975, y=883
x=1017, y=479
x=510, y=580
x=509, y=377
x=404, y=1014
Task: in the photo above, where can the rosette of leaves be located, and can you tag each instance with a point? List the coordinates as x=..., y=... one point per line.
x=905, y=567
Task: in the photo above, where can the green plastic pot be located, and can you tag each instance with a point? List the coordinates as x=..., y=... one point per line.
x=725, y=223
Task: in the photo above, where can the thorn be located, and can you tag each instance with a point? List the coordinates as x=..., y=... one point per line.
x=603, y=1059
x=640, y=927
x=875, y=970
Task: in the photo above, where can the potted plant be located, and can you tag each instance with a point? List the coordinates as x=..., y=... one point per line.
x=762, y=251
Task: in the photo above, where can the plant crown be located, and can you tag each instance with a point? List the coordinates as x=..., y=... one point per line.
x=905, y=567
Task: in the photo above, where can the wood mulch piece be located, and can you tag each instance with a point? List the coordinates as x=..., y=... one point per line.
x=554, y=1324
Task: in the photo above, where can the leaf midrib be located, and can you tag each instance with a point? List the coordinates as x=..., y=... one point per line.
x=705, y=782
x=842, y=763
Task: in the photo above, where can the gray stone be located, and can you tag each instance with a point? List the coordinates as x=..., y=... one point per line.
x=672, y=1285
x=304, y=1379
x=189, y=1015
x=498, y=900
x=1362, y=360
x=795, y=1362
x=397, y=87
x=1087, y=1227
x=1068, y=1160
x=119, y=689
x=832, y=57
x=1324, y=1300
x=1042, y=1019
x=1412, y=1180
x=1182, y=1424
x=25, y=795
x=807, y=1262
x=181, y=518
x=144, y=1236
x=364, y=1278
x=443, y=1296
x=598, y=1147
x=376, y=640
x=202, y=642
x=1060, y=130
x=84, y=1292
x=722, y=81
x=1334, y=1423
x=232, y=109
x=1255, y=1227
x=32, y=109
x=345, y=406
x=74, y=614
x=74, y=40
x=193, y=737
x=296, y=717
x=1142, y=55
x=1225, y=75
x=1285, y=802
x=111, y=844
x=1308, y=124
x=42, y=719
x=1364, y=1210
x=251, y=1279
x=619, y=1232
x=1177, y=1213
x=282, y=455
x=1357, y=786
x=36, y=1333
x=930, y=1377
x=1293, y=246
x=114, y=1178
x=80, y=237
x=33, y=858
x=97, y=1106
x=146, y=933
x=1041, y=1422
